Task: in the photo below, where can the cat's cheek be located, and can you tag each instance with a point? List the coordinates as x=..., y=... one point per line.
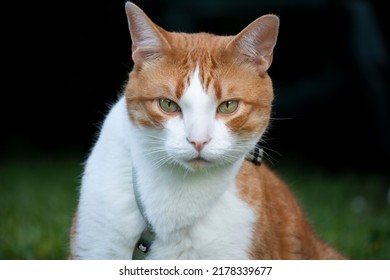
x=220, y=144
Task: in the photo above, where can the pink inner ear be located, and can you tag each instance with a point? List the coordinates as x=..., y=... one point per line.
x=147, y=38
x=143, y=54
x=257, y=41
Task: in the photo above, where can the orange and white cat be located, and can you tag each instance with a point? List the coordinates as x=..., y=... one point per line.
x=194, y=106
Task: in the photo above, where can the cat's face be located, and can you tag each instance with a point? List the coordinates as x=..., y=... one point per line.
x=199, y=100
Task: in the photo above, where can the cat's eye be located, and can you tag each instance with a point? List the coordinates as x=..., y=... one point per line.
x=228, y=107
x=168, y=105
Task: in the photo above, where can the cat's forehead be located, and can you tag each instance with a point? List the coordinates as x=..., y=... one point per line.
x=207, y=51
x=199, y=55
x=200, y=77
x=198, y=44
x=195, y=94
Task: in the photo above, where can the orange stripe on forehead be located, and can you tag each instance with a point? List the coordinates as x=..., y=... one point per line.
x=206, y=77
x=201, y=74
x=180, y=86
x=210, y=75
x=183, y=82
x=207, y=83
x=217, y=90
x=207, y=71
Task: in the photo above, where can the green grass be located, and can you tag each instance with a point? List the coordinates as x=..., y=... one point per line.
x=38, y=196
x=37, y=200
x=350, y=211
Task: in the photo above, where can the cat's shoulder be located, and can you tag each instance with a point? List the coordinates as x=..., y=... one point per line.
x=256, y=182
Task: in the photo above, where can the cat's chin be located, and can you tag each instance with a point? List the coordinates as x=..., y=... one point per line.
x=195, y=164
x=198, y=163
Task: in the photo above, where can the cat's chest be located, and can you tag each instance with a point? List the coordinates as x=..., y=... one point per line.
x=224, y=232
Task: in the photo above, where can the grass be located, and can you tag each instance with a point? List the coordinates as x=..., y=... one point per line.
x=350, y=211
x=38, y=197
x=37, y=201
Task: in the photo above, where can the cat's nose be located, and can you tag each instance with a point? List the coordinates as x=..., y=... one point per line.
x=199, y=145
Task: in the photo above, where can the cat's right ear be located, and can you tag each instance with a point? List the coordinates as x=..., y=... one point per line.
x=148, y=41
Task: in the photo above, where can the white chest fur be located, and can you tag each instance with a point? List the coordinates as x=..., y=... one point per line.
x=224, y=232
x=194, y=216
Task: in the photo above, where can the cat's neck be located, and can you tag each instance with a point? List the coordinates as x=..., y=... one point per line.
x=173, y=197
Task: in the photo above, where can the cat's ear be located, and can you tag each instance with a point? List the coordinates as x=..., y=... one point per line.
x=257, y=41
x=148, y=40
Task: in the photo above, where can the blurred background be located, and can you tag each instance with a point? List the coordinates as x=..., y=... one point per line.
x=329, y=138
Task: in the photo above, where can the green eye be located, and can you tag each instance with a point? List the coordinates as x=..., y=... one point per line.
x=168, y=105
x=228, y=107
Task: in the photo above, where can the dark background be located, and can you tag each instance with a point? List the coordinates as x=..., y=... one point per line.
x=66, y=61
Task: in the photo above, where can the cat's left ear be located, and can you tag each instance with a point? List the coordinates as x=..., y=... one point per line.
x=148, y=41
x=257, y=41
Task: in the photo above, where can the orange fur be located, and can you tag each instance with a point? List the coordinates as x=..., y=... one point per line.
x=281, y=231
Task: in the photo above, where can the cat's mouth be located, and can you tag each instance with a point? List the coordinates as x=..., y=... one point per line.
x=198, y=162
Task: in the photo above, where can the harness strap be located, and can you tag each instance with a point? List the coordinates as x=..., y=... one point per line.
x=147, y=237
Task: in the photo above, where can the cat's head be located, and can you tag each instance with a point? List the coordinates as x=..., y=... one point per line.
x=199, y=99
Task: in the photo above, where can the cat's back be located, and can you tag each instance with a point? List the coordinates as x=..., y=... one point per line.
x=281, y=230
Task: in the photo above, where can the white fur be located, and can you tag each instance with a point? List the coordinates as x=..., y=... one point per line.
x=193, y=208
x=198, y=111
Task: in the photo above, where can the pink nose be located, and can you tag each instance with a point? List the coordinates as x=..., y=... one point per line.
x=199, y=145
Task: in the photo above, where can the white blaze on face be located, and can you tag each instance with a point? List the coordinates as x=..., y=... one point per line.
x=198, y=110
x=197, y=138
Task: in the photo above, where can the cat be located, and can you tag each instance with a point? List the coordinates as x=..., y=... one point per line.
x=170, y=157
